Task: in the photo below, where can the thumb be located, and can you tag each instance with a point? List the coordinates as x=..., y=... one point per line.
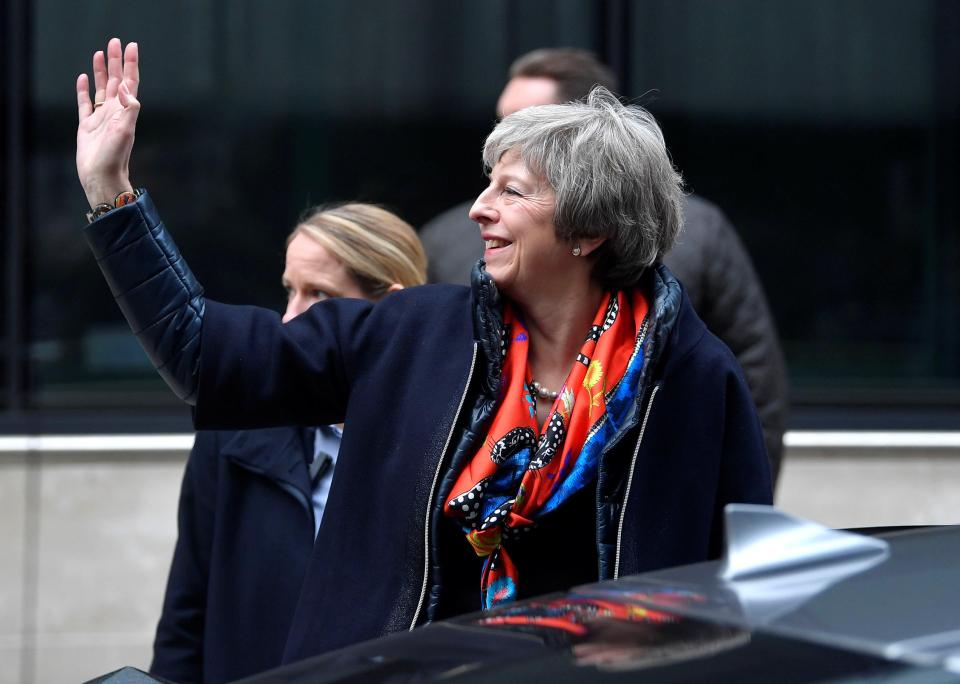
x=130, y=104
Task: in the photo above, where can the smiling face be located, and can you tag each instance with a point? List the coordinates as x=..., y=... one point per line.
x=313, y=274
x=515, y=213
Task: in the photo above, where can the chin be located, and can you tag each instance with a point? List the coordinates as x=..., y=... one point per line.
x=500, y=277
x=494, y=272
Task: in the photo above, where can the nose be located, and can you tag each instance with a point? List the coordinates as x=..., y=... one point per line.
x=296, y=305
x=483, y=211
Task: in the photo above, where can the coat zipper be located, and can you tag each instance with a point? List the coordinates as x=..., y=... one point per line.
x=626, y=495
x=433, y=487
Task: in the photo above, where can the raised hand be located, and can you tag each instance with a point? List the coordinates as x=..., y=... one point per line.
x=107, y=125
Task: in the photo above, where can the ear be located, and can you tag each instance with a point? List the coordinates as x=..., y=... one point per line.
x=394, y=287
x=589, y=245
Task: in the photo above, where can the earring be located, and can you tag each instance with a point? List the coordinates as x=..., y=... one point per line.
x=576, y=250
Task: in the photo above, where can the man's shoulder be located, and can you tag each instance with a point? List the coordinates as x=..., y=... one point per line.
x=452, y=242
x=455, y=217
x=702, y=217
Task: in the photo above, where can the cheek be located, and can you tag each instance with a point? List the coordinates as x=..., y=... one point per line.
x=308, y=301
x=543, y=238
x=297, y=304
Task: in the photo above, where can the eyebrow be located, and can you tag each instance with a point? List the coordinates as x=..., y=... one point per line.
x=504, y=176
x=530, y=182
x=315, y=285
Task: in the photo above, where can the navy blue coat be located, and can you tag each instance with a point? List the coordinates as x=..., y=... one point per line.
x=245, y=538
x=418, y=373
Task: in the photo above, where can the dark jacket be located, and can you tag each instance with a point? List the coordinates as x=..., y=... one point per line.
x=245, y=537
x=714, y=267
x=418, y=371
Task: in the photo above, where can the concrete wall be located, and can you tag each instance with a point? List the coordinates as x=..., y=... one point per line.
x=85, y=545
x=86, y=539
x=849, y=487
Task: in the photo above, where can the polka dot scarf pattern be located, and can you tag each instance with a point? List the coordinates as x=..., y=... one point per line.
x=523, y=472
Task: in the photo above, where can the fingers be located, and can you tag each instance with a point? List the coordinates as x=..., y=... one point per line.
x=84, y=106
x=131, y=68
x=99, y=76
x=114, y=67
x=109, y=71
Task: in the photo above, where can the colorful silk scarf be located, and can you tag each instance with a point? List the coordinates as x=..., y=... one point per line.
x=521, y=472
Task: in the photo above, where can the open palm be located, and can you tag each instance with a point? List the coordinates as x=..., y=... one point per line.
x=107, y=125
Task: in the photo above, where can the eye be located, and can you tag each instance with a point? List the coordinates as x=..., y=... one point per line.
x=319, y=295
x=512, y=192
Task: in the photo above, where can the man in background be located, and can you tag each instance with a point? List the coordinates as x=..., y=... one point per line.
x=709, y=259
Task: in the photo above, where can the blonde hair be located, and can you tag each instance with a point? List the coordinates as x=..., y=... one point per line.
x=376, y=246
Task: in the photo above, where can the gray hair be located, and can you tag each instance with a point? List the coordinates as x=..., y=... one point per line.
x=609, y=168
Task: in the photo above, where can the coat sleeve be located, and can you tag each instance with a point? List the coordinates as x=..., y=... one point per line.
x=238, y=366
x=256, y=372
x=154, y=288
x=179, y=644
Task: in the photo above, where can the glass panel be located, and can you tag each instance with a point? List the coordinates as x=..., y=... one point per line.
x=826, y=131
x=253, y=111
x=814, y=127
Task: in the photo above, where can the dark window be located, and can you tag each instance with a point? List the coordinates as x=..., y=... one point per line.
x=827, y=132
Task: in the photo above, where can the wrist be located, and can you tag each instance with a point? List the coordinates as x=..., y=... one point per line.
x=122, y=199
x=105, y=192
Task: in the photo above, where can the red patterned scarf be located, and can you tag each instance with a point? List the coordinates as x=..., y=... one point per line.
x=523, y=471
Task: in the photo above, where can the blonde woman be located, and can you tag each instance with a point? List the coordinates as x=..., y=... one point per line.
x=252, y=501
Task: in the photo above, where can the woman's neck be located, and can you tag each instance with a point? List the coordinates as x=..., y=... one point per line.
x=557, y=329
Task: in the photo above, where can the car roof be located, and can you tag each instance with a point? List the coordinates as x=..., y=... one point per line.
x=790, y=599
x=896, y=596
